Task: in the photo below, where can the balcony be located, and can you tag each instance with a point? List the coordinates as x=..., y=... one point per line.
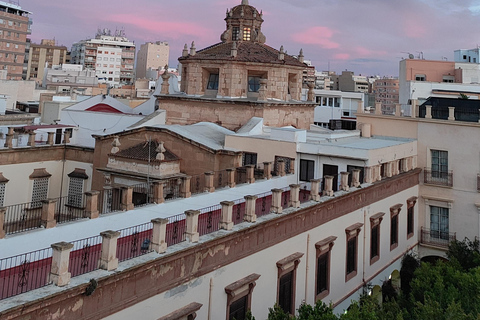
x=437, y=238
x=438, y=178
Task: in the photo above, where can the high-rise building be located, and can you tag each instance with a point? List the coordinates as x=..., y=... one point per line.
x=386, y=92
x=152, y=55
x=14, y=28
x=111, y=56
x=44, y=55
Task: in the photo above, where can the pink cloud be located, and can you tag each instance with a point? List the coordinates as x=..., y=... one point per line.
x=321, y=36
x=341, y=56
x=414, y=28
x=367, y=52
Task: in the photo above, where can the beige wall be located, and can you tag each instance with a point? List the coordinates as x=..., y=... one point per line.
x=433, y=70
x=265, y=149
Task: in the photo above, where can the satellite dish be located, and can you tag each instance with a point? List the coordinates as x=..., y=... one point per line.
x=411, y=56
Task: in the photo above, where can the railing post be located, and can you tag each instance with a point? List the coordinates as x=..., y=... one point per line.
x=91, y=205
x=395, y=170
x=292, y=166
x=185, y=187
x=59, y=274
x=356, y=178
x=226, y=221
x=281, y=167
x=389, y=169
x=31, y=139
x=231, y=177
x=108, y=259
x=66, y=137
x=451, y=113
x=267, y=170
x=192, y=234
x=159, y=234
x=378, y=172
x=158, y=196
x=294, y=201
x=250, y=215
x=398, y=109
x=344, y=181
x=378, y=108
x=250, y=173
x=315, y=189
x=428, y=112
x=369, y=174
x=127, y=198
x=328, y=189
x=48, y=213
x=9, y=138
x=209, y=186
x=50, y=138
x=2, y=222
x=277, y=201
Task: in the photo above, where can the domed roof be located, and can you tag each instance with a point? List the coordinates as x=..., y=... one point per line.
x=245, y=11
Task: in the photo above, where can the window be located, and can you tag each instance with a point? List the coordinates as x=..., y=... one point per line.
x=439, y=164
x=212, y=82
x=439, y=223
x=352, y=233
x=189, y=312
x=420, y=77
x=249, y=158
x=394, y=211
x=307, y=170
x=375, y=221
x=239, y=297
x=39, y=191
x=287, y=269
x=411, y=216
x=75, y=191
x=322, y=284
x=253, y=84
x=246, y=34
x=235, y=33
x=2, y=193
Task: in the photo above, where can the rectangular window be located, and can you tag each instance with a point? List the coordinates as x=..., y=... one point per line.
x=2, y=194
x=420, y=77
x=75, y=192
x=374, y=242
x=238, y=309
x=307, y=170
x=235, y=33
x=213, y=82
x=239, y=297
x=253, y=84
x=439, y=164
x=39, y=192
x=249, y=158
x=394, y=231
x=323, y=264
x=411, y=216
x=285, y=295
x=439, y=223
x=246, y=34
x=351, y=258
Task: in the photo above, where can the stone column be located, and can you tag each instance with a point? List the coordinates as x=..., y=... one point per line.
x=281, y=168
x=294, y=201
x=356, y=178
x=315, y=189
x=31, y=139
x=451, y=113
x=414, y=162
x=369, y=174
x=108, y=258
x=267, y=170
x=185, y=187
x=159, y=234
x=66, y=137
x=231, y=177
x=192, y=234
x=9, y=138
x=50, y=140
x=91, y=208
x=226, y=221
x=408, y=163
x=127, y=199
x=344, y=181
x=396, y=170
x=250, y=173
x=48, y=213
x=2, y=222
x=389, y=169
x=292, y=166
x=378, y=172
x=158, y=192
x=59, y=274
x=277, y=201
x=250, y=215
x=404, y=164
x=328, y=189
x=209, y=187
x=428, y=112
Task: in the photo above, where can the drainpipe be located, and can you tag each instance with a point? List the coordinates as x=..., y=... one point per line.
x=210, y=299
x=364, y=241
x=306, y=267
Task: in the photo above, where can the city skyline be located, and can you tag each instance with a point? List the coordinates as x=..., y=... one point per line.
x=368, y=38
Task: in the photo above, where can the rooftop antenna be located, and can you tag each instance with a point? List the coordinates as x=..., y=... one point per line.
x=420, y=55
x=410, y=56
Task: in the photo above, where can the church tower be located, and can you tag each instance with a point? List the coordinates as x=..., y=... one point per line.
x=244, y=23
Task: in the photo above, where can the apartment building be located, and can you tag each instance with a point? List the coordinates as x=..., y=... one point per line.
x=386, y=92
x=152, y=55
x=44, y=55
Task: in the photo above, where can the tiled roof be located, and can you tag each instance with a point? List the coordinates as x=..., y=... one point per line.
x=246, y=52
x=141, y=150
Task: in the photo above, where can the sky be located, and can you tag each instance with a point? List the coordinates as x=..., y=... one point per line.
x=368, y=37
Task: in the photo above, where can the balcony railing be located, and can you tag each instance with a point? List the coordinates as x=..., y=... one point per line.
x=436, y=238
x=438, y=178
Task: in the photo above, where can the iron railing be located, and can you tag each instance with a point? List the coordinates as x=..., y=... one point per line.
x=134, y=241
x=209, y=219
x=109, y=200
x=176, y=228
x=70, y=208
x=439, y=178
x=22, y=217
x=142, y=194
x=197, y=184
x=238, y=211
x=437, y=238
x=171, y=189
x=263, y=204
x=85, y=255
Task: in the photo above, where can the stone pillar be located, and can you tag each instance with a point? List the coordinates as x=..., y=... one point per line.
x=9, y=138
x=262, y=91
x=360, y=108
x=451, y=113
x=250, y=173
x=66, y=137
x=226, y=221
x=108, y=258
x=165, y=78
x=428, y=112
x=378, y=173
x=369, y=174
x=91, y=205
x=414, y=162
x=2, y=222
x=158, y=192
x=277, y=201
x=315, y=189
x=231, y=178
x=31, y=139
x=328, y=189
x=192, y=234
x=50, y=139
x=356, y=178
x=409, y=163
x=209, y=187
x=311, y=92
x=294, y=201
x=414, y=108
x=59, y=274
x=396, y=170
x=378, y=108
x=48, y=213
x=389, y=169
x=267, y=170
x=292, y=166
x=398, y=110
x=404, y=164
x=185, y=187
x=344, y=181
x=127, y=199
x=250, y=215
x=281, y=168
x=159, y=234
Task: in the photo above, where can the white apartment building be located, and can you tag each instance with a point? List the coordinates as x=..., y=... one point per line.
x=109, y=62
